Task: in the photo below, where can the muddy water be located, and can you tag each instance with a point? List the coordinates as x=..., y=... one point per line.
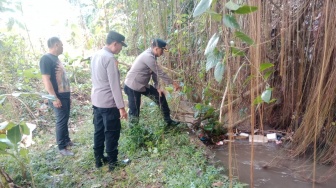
x=272, y=168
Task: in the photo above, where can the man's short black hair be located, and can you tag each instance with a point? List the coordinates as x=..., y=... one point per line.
x=52, y=41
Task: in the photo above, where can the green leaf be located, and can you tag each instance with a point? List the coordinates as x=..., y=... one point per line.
x=213, y=58
x=258, y=100
x=219, y=71
x=268, y=74
x=230, y=21
x=24, y=152
x=244, y=37
x=208, y=127
x=24, y=128
x=231, y=5
x=202, y=7
x=7, y=142
x=245, y=9
x=3, y=146
x=266, y=95
x=214, y=15
x=212, y=44
x=211, y=61
x=14, y=135
x=265, y=66
x=6, y=125
x=198, y=106
x=50, y=97
x=237, y=52
x=2, y=99
x=209, y=112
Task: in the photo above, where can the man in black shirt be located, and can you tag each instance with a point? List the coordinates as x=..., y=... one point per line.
x=57, y=84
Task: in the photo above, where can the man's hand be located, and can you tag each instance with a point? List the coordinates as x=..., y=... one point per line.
x=123, y=113
x=57, y=103
x=160, y=91
x=176, y=86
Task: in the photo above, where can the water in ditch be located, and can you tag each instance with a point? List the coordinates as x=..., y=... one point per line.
x=272, y=168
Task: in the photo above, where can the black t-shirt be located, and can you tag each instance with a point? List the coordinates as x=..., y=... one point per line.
x=51, y=65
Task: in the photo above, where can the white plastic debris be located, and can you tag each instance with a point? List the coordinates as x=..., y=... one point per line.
x=219, y=143
x=244, y=134
x=271, y=137
x=27, y=140
x=278, y=142
x=258, y=138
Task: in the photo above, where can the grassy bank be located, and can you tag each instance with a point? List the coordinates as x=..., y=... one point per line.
x=161, y=157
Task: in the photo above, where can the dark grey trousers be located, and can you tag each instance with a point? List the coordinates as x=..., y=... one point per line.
x=62, y=117
x=134, y=100
x=107, y=128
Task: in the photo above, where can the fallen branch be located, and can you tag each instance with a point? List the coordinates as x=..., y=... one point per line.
x=6, y=180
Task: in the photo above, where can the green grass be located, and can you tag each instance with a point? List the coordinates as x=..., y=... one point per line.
x=160, y=157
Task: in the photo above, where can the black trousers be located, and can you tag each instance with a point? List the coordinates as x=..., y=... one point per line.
x=62, y=117
x=106, y=132
x=134, y=99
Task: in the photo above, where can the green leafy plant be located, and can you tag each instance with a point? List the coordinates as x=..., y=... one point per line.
x=10, y=137
x=216, y=56
x=203, y=111
x=266, y=70
x=207, y=114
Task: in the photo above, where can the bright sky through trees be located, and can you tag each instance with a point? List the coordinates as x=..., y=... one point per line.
x=45, y=18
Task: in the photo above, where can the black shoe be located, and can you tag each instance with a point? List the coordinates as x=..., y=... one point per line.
x=105, y=160
x=101, y=161
x=123, y=163
x=172, y=123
